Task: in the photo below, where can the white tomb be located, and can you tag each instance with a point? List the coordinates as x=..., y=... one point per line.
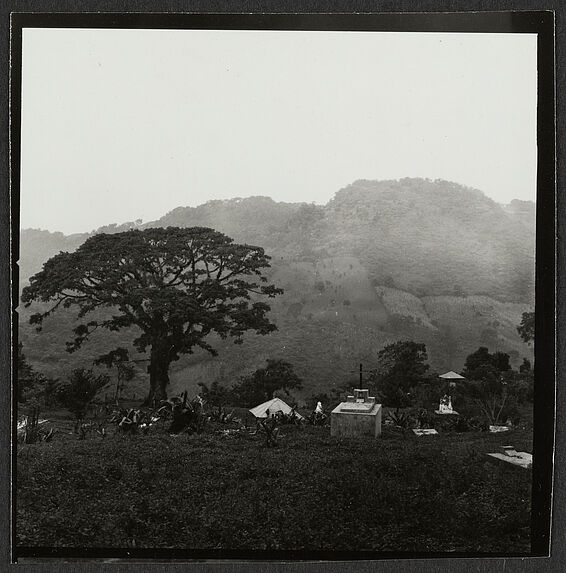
x=358, y=416
x=445, y=406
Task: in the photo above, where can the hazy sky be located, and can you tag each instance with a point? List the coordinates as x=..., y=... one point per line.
x=120, y=125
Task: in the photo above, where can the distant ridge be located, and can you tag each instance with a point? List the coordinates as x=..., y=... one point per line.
x=431, y=261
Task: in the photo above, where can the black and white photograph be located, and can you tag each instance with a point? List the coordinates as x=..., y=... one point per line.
x=278, y=282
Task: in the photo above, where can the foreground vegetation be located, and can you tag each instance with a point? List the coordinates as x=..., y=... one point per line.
x=310, y=492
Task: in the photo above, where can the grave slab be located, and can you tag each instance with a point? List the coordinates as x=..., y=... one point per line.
x=497, y=429
x=509, y=455
x=425, y=432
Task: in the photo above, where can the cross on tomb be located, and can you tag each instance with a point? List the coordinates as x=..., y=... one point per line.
x=361, y=371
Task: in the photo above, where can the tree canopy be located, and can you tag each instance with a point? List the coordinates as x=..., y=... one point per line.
x=176, y=285
x=402, y=367
x=481, y=364
x=527, y=327
x=264, y=382
x=494, y=386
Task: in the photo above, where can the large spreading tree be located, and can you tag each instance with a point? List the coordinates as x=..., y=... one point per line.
x=175, y=285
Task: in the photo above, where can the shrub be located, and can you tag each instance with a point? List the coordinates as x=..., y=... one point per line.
x=131, y=420
x=317, y=419
x=264, y=382
x=30, y=430
x=291, y=418
x=269, y=429
x=401, y=419
x=31, y=385
x=187, y=415
x=78, y=391
x=222, y=416
x=424, y=419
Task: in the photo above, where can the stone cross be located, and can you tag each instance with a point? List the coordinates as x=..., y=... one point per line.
x=361, y=371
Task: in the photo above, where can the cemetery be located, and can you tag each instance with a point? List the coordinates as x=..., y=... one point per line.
x=262, y=460
x=259, y=478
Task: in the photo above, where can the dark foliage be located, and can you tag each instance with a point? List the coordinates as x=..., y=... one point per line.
x=401, y=419
x=527, y=327
x=217, y=395
x=31, y=430
x=402, y=368
x=525, y=366
x=78, y=391
x=269, y=428
x=424, y=418
x=494, y=387
x=125, y=369
x=481, y=361
x=30, y=384
x=264, y=382
x=292, y=418
x=318, y=418
x=186, y=415
x=131, y=420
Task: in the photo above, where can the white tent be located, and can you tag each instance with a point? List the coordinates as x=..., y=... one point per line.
x=452, y=376
x=273, y=405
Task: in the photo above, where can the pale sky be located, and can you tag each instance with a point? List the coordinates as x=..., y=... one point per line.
x=119, y=125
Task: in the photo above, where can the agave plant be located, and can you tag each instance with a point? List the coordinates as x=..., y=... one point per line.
x=291, y=418
x=221, y=415
x=400, y=419
x=131, y=420
x=31, y=429
x=186, y=415
x=269, y=428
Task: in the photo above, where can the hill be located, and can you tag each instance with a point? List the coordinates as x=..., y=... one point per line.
x=414, y=259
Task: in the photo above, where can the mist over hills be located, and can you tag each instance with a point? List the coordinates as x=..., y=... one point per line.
x=430, y=261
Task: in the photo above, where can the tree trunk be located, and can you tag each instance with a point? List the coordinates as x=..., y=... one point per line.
x=158, y=375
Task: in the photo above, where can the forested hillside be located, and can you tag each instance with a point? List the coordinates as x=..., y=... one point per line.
x=430, y=261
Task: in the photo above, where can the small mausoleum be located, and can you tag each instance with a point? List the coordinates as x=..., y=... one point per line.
x=358, y=416
x=451, y=377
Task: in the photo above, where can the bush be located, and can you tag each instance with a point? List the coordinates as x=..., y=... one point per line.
x=187, y=416
x=31, y=385
x=222, y=416
x=30, y=429
x=318, y=419
x=131, y=420
x=285, y=419
x=400, y=419
x=264, y=382
x=424, y=419
x=78, y=391
x=269, y=429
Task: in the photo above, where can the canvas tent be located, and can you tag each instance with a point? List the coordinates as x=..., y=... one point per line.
x=273, y=405
x=452, y=376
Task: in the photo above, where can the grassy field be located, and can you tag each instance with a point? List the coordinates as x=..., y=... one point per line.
x=310, y=492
